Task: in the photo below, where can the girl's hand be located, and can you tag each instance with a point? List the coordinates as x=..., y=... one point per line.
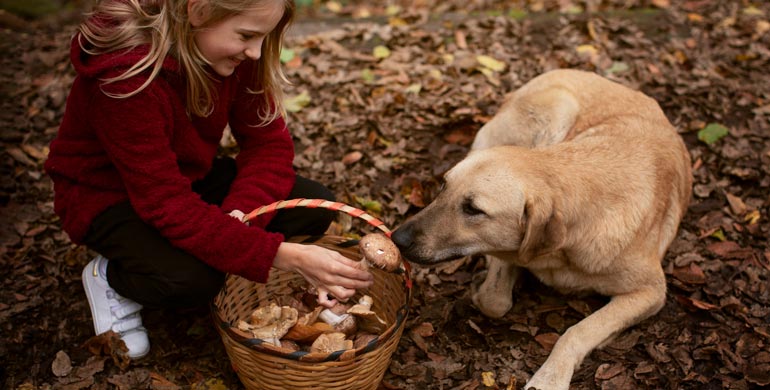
x=328, y=271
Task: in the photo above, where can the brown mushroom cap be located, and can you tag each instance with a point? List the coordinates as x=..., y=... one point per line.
x=380, y=251
x=368, y=321
x=270, y=323
x=331, y=342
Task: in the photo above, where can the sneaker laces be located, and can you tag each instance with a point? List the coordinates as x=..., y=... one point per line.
x=125, y=312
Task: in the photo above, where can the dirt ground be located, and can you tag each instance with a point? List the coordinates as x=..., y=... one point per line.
x=383, y=101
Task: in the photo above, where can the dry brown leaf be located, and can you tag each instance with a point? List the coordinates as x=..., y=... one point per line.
x=691, y=274
x=547, y=340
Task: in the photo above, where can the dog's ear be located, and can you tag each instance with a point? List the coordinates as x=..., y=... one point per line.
x=544, y=229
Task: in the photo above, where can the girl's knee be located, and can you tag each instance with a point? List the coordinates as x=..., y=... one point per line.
x=193, y=288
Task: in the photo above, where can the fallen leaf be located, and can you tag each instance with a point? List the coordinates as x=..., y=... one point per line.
x=488, y=378
x=490, y=63
x=424, y=329
x=381, y=52
x=752, y=217
x=352, y=157
x=159, y=382
x=297, y=103
x=606, y=371
x=617, y=67
x=695, y=303
x=287, y=55
x=736, y=204
x=713, y=132
x=61, y=365
x=334, y=6
x=547, y=340
x=691, y=274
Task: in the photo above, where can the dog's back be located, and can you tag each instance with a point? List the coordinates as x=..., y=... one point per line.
x=571, y=114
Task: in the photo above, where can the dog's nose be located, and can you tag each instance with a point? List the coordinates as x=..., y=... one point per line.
x=403, y=236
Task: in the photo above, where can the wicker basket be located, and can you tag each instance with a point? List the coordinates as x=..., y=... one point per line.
x=262, y=366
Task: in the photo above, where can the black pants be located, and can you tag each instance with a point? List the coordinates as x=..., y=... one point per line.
x=146, y=268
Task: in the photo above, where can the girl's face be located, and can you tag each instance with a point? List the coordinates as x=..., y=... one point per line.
x=227, y=43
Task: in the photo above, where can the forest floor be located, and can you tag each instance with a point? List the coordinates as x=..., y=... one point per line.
x=384, y=100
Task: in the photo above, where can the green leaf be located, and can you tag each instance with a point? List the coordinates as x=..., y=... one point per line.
x=517, y=13
x=617, y=67
x=719, y=235
x=370, y=206
x=713, y=132
x=368, y=76
x=287, y=55
x=297, y=103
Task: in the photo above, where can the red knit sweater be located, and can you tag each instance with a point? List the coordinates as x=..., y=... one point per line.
x=145, y=149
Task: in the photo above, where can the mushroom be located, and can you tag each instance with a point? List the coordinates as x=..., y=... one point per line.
x=379, y=251
x=338, y=319
x=331, y=342
x=290, y=345
x=270, y=323
x=307, y=329
x=368, y=321
x=363, y=339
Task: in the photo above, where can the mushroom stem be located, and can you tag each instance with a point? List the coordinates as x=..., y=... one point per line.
x=344, y=323
x=331, y=318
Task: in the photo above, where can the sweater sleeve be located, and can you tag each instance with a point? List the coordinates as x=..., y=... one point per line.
x=264, y=162
x=136, y=133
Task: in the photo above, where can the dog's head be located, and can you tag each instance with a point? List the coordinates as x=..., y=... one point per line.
x=488, y=205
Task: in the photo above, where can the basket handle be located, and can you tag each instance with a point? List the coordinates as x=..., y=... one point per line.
x=319, y=203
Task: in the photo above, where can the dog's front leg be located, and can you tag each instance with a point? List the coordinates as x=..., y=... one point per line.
x=493, y=297
x=593, y=331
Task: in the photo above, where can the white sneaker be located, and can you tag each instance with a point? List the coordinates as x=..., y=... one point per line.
x=111, y=311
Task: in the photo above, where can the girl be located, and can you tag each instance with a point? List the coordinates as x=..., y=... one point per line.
x=134, y=168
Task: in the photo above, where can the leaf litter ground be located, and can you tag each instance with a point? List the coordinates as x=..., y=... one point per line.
x=383, y=101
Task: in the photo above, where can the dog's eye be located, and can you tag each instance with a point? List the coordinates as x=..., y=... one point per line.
x=470, y=209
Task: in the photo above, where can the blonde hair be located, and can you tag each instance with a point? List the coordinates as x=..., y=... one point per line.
x=164, y=26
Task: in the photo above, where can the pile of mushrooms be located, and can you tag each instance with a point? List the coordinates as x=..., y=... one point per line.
x=296, y=324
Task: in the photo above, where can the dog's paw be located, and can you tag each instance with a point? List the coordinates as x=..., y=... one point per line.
x=492, y=305
x=548, y=381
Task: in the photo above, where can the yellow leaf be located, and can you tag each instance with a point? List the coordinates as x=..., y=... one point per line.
x=362, y=12
x=752, y=217
x=752, y=10
x=297, y=103
x=490, y=63
x=392, y=10
x=210, y=384
x=334, y=7
x=586, y=49
x=488, y=378
x=414, y=89
x=381, y=51
x=448, y=59
x=397, y=22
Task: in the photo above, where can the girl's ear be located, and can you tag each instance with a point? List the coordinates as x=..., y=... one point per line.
x=197, y=12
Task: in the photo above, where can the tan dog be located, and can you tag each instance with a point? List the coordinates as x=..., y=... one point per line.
x=587, y=194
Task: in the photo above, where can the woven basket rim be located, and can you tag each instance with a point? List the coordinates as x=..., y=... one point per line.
x=258, y=345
